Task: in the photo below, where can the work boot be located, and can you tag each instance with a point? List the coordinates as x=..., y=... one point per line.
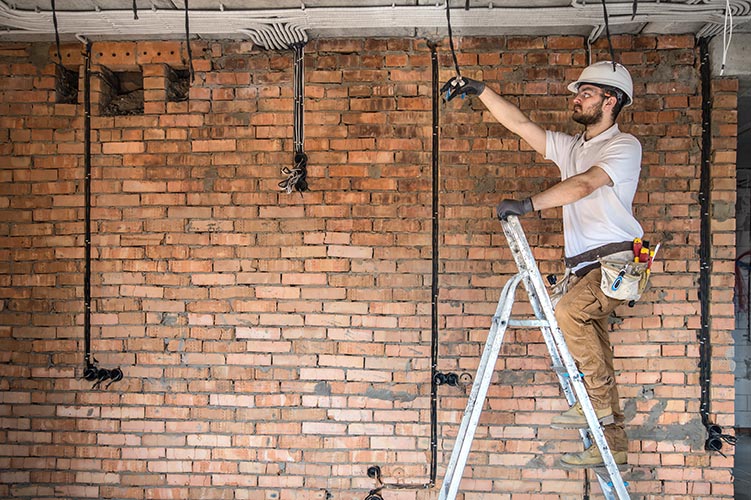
x=574, y=418
x=591, y=457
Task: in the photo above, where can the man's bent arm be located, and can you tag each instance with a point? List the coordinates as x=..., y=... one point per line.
x=513, y=119
x=572, y=189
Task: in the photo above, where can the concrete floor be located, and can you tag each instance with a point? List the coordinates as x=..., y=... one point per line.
x=742, y=469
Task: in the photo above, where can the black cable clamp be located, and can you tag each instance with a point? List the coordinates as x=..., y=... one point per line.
x=93, y=373
x=716, y=438
x=453, y=379
x=374, y=472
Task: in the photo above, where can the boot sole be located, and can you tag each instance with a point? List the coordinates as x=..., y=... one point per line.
x=603, y=421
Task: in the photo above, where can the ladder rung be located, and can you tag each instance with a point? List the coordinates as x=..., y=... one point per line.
x=531, y=323
x=561, y=370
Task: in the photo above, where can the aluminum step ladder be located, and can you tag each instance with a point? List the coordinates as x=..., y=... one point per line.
x=609, y=476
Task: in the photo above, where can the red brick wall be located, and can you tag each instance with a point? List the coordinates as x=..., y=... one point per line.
x=274, y=346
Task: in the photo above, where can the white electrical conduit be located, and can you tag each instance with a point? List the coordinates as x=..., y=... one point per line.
x=277, y=27
x=275, y=36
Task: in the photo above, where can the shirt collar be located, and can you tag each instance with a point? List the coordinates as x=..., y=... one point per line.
x=603, y=136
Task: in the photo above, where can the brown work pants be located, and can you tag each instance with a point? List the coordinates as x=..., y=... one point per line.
x=582, y=314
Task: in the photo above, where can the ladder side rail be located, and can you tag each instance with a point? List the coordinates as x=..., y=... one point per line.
x=595, y=429
x=607, y=489
x=476, y=400
x=523, y=253
x=563, y=379
x=547, y=335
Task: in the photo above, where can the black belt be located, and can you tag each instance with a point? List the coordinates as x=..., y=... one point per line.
x=581, y=272
x=596, y=253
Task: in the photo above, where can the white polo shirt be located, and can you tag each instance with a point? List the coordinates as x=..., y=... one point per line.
x=605, y=215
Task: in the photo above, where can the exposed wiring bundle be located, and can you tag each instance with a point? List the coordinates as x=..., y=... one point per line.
x=297, y=176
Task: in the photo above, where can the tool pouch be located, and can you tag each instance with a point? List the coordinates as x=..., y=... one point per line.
x=560, y=288
x=623, y=280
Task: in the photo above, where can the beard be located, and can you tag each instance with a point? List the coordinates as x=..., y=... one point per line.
x=587, y=119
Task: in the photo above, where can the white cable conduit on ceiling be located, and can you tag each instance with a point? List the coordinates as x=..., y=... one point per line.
x=276, y=35
x=278, y=27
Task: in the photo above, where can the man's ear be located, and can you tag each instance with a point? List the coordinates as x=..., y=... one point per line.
x=609, y=103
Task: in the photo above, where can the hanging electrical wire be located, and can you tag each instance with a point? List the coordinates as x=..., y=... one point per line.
x=451, y=40
x=66, y=84
x=57, y=33
x=187, y=43
x=607, y=33
x=297, y=176
x=135, y=10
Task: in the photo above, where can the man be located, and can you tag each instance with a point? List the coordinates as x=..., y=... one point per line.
x=599, y=174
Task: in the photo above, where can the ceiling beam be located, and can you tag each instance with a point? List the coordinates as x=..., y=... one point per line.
x=322, y=21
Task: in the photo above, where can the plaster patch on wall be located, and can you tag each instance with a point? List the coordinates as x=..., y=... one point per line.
x=323, y=388
x=722, y=210
x=387, y=395
x=691, y=432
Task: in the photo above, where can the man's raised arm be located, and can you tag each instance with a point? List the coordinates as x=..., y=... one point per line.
x=502, y=110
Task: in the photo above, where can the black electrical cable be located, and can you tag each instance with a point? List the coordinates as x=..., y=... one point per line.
x=435, y=263
x=715, y=436
x=705, y=347
x=135, y=10
x=633, y=10
x=57, y=34
x=88, y=360
x=65, y=86
x=451, y=40
x=375, y=471
x=187, y=43
x=607, y=33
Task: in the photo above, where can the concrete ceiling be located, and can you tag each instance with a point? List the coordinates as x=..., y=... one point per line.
x=262, y=20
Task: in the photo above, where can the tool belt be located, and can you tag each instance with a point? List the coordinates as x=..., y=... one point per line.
x=594, y=255
x=623, y=277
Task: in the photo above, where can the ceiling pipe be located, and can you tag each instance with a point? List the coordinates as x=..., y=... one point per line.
x=27, y=24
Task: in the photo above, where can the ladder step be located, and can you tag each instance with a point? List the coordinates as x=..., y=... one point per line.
x=530, y=323
x=561, y=370
x=602, y=471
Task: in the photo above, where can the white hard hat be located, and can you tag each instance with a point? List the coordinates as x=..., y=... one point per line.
x=606, y=73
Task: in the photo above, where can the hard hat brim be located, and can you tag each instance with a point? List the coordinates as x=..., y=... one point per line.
x=573, y=87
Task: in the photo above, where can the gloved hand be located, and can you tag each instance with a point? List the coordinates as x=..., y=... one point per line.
x=463, y=86
x=514, y=207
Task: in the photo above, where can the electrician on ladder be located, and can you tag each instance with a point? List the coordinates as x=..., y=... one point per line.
x=599, y=174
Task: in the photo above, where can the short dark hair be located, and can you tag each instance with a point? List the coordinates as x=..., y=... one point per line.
x=620, y=98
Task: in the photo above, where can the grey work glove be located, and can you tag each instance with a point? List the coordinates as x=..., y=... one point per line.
x=514, y=207
x=463, y=86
